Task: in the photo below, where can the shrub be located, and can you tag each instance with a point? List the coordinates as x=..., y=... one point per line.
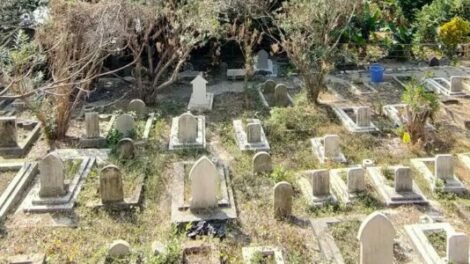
x=453, y=33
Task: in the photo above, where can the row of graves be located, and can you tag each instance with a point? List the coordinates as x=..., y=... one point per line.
x=201, y=189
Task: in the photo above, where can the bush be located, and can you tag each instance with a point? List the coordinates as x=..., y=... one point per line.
x=453, y=33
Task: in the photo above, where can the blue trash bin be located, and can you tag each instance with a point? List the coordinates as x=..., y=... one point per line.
x=376, y=73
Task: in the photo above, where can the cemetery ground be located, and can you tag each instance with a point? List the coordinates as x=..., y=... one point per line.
x=288, y=130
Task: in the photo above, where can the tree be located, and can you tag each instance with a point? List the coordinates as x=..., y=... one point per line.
x=310, y=32
x=453, y=33
x=162, y=35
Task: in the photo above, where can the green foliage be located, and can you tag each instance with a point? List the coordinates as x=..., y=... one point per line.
x=113, y=137
x=418, y=99
x=281, y=174
x=411, y=7
x=453, y=33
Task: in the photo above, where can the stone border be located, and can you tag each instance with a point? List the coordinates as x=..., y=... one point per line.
x=265, y=102
x=357, y=91
x=200, y=139
x=39, y=258
x=248, y=253
x=456, y=186
x=235, y=74
x=16, y=188
x=180, y=212
x=340, y=188
x=26, y=145
x=328, y=247
x=317, y=146
x=388, y=194
x=307, y=192
x=432, y=83
x=349, y=123
x=421, y=243
x=34, y=204
x=241, y=137
x=204, y=107
x=100, y=155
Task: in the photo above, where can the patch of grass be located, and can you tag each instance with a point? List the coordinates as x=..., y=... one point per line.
x=438, y=240
x=344, y=234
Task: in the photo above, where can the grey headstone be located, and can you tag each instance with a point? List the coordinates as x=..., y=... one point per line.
x=125, y=125
x=356, y=180
x=320, y=182
x=376, y=237
x=363, y=116
x=92, y=123
x=8, y=134
x=111, y=188
x=444, y=166
x=261, y=60
x=262, y=162
x=199, y=94
x=268, y=86
x=204, y=184
x=253, y=132
x=138, y=106
x=51, y=176
x=457, y=83
x=283, y=193
x=280, y=94
x=187, y=128
x=125, y=148
x=457, y=248
x=403, y=180
x=119, y=248
x=331, y=146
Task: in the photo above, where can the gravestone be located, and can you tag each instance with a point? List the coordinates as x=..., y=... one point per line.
x=356, y=180
x=262, y=60
x=199, y=94
x=457, y=248
x=8, y=135
x=92, y=123
x=125, y=148
x=253, y=132
x=283, y=193
x=187, y=128
x=138, y=106
x=444, y=166
x=376, y=235
x=125, y=125
x=111, y=189
x=119, y=248
x=280, y=94
x=331, y=146
x=363, y=116
x=262, y=163
x=457, y=83
x=51, y=176
x=268, y=86
x=403, y=180
x=320, y=182
x=204, y=184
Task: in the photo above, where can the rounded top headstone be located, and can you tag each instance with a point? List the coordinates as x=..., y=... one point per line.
x=125, y=148
x=125, y=124
x=376, y=223
x=138, y=106
x=119, y=248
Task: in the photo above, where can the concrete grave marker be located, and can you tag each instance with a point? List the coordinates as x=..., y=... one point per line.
x=187, y=128
x=8, y=134
x=51, y=176
x=363, y=116
x=199, y=90
x=111, y=189
x=253, y=132
x=403, y=180
x=444, y=167
x=92, y=123
x=283, y=193
x=376, y=236
x=457, y=248
x=261, y=60
x=280, y=94
x=119, y=248
x=204, y=184
x=138, y=106
x=269, y=86
x=125, y=148
x=320, y=182
x=262, y=162
x=356, y=180
x=125, y=125
x=331, y=146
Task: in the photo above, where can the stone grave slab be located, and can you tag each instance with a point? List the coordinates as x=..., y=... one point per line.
x=315, y=187
x=15, y=190
x=451, y=182
x=200, y=99
x=268, y=96
x=13, y=146
x=392, y=194
x=39, y=258
x=428, y=254
x=180, y=202
x=328, y=148
x=34, y=203
x=200, y=140
x=196, y=248
x=443, y=87
x=273, y=253
x=362, y=88
x=241, y=136
x=346, y=115
x=236, y=74
x=348, y=183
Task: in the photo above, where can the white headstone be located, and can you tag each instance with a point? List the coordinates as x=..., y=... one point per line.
x=363, y=116
x=331, y=146
x=125, y=125
x=199, y=94
x=320, y=182
x=376, y=235
x=457, y=248
x=356, y=180
x=403, y=180
x=261, y=60
x=283, y=193
x=204, y=184
x=262, y=162
x=187, y=128
x=253, y=132
x=51, y=176
x=444, y=166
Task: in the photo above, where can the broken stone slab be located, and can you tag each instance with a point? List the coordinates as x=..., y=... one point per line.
x=244, y=133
